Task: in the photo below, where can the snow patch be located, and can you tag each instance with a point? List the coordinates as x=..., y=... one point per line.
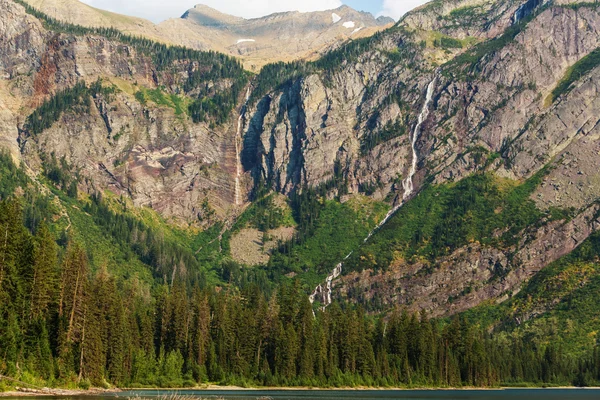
x=245, y=40
x=335, y=18
x=357, y=30
x=349, y=24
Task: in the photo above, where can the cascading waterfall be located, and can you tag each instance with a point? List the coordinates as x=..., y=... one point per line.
x=238, y=138
x=407, y=184
x=525, y=10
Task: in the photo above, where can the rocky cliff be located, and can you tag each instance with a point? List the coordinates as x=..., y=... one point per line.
x=508, y=99
x=148, y=150
x=493, y=111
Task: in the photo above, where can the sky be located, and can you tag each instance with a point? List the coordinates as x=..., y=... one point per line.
x=158, y=10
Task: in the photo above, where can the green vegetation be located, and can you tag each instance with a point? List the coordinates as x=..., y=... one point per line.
x=466, y=12
x=444, y=218
x=328, y=231
x=276, y=75
x=11, y=177
x=388, y=132
x=578, y=5
x=76, y=99
x=574, y=73
x=447, y=42
x=93, y=292
x=123, y=300
x=466, y=64
x=160, y=98
x=15, y=182
x=559, y=304
x=208, y=67
x=264, y=214
x=64, y=324
x=61, y=174
x=165, y=255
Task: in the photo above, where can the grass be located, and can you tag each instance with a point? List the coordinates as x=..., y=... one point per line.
x=162, y=99
x=573, y=74
x=339, y=229
x=560, y=303
x=446, y=217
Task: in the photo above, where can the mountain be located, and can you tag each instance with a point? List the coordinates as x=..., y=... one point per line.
x=77, y=12
x=507, y=107
x=447, y=166
x=278, y=37
x=490, y=98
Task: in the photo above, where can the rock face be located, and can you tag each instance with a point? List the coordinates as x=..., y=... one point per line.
x=276, y=37
x=160, y=159
x=297, y=136
x=351, y=120
x=469, y=276
x=318, y=124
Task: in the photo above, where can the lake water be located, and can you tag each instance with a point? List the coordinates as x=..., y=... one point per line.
x=507, y=394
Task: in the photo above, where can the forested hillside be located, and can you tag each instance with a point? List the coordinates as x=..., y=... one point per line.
x=166, y=215
x=68, y=320
x=65, y=323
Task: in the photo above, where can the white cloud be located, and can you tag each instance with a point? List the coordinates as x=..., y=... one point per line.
x=159, y=10
x=397, y=8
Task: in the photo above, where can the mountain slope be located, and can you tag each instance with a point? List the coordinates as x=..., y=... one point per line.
x=77, y=12
x=277, y=37
x=489, y=114
x=156, y=168
x=487, y=128
x=141, y=119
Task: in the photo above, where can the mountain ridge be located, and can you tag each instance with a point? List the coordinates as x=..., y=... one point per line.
x=283, y=36
x=182, y=31
x=344, y=127
x=468, y=135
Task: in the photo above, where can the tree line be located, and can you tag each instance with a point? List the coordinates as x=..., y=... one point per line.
x=61, y=323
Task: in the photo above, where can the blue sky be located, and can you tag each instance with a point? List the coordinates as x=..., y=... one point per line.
x=158, y=10
x=372, y=6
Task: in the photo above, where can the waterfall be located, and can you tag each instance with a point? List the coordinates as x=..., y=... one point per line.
x=325, y=294
x=238, y=138
x=525, y=10
x=408, y=183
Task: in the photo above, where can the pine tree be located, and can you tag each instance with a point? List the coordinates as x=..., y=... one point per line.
x=45, y=275
x=200, y=340
x=72, y=309
x=306, y=340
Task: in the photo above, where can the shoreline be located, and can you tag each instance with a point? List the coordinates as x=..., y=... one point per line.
x=216, y=388
x=23, y=392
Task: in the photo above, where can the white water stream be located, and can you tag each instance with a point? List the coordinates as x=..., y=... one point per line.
x=238, y=139
x=408, y=183
x=325, y=293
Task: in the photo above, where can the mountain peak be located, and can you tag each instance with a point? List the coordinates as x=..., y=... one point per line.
x=207, y=16
x=281, y=36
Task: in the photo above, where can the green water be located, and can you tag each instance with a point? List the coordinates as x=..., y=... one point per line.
x=512, y=394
